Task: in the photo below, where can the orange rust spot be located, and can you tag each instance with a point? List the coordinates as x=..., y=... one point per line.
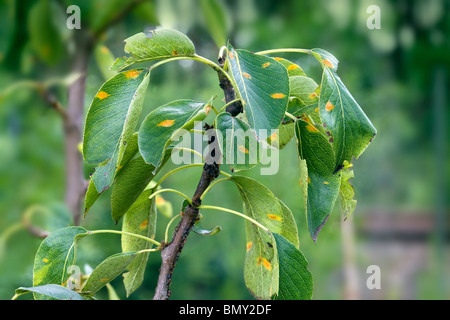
x=311, y=128
x=265, y=65
x=166, y=123
x=274, y=217
x=300, y=181
x=258, y=260
x=132, y=74
x=277, y=59
x=278, y=95
x=242, y=149
x=249, y=245
x=245, y=74
x=144, y=224
x=243, y=102
x=274, y=136
x=104, y=49
x=316, y=109
x=313, y=96
x=309, y=180
x=293, y=67
x=102, y=95
x=325, y=182
x=231, y=55
x=104, y=279
x=174, y=52
x=266, y=264
x=45, y=260
x=329, y=106
x=328, y=63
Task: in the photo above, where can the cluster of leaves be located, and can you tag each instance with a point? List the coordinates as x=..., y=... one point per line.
x=329, y=126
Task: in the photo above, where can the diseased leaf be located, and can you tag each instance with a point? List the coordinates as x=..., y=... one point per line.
x=139, y=219
x=263, y=87
x=296, y=281
x=322, y=184
x=51, y=291
x=163, y=126
x=346, y=191
x=284, y=135
x=110, y=123
x=55, y=254
x=162, y=43
x=108, y=270
x=292, y=68
x=239, y=148
x=352, y=131
x=304, y=89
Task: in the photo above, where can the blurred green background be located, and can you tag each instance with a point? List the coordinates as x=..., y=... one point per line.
x=399, y=74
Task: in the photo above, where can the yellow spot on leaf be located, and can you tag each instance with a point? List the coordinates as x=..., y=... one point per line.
x=249, y=245
x=243, y=102
x=104, y=279
x=160, y=200
x=258, y=261
x=132, y=74
x=265, y=65
x=293, y=67
x=246, y=75
x=274, y=217
x=311, y=128
x=316, y=109
x=309, y=180
x=300, y=181
x=104, y=49
x=325, y=182
x=166, y=123
x=231, y=55
x=313, y=96
x=144, y=224
x=266, y=264
x=243, y=149
x=277, y=59
x=278, y=95
x=328, y=63
x=329, y=106
x=45, y=260
x=274, y=136
x=102, y=95
x=174, y=52
x=208, y=109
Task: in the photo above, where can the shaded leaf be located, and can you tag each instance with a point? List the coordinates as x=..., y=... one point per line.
x=239, y=145
x=104, y=59
x=216, y=20
x=321, y=184
x=284, y=135
x=263, y=87
x=304, y=89
x=352, y=131
x=139, y=219
x=162, y=127
x=346, y=191
x=51, y=291
x=296, y=281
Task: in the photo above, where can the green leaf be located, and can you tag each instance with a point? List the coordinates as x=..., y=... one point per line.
x=216, y=21
x=263, y=87
x=296, y=281
x=55, y=254
x=108, y=270
x=352, y=131
x=321, y=184
x=52, y=291
x=261, y=261
x=346, y=191
x=292, y=68
x=110, y=123
x=239, y=144
x=162, y=43
x=283, y=137
x=164, y=207
x=139, y=219
x=104, y=59
x=164, y=126
x=45, y=38
x=304, y=89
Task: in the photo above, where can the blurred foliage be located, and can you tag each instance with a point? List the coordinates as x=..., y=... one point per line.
x=394, y=73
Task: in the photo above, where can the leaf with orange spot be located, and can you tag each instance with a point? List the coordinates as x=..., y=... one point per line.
x=292, y=68
x=351, y=129
x=266, y=92
x=108, y=270
x=163, y=126
x=317, y=166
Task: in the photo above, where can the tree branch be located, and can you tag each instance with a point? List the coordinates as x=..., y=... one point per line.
x=171, y=251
